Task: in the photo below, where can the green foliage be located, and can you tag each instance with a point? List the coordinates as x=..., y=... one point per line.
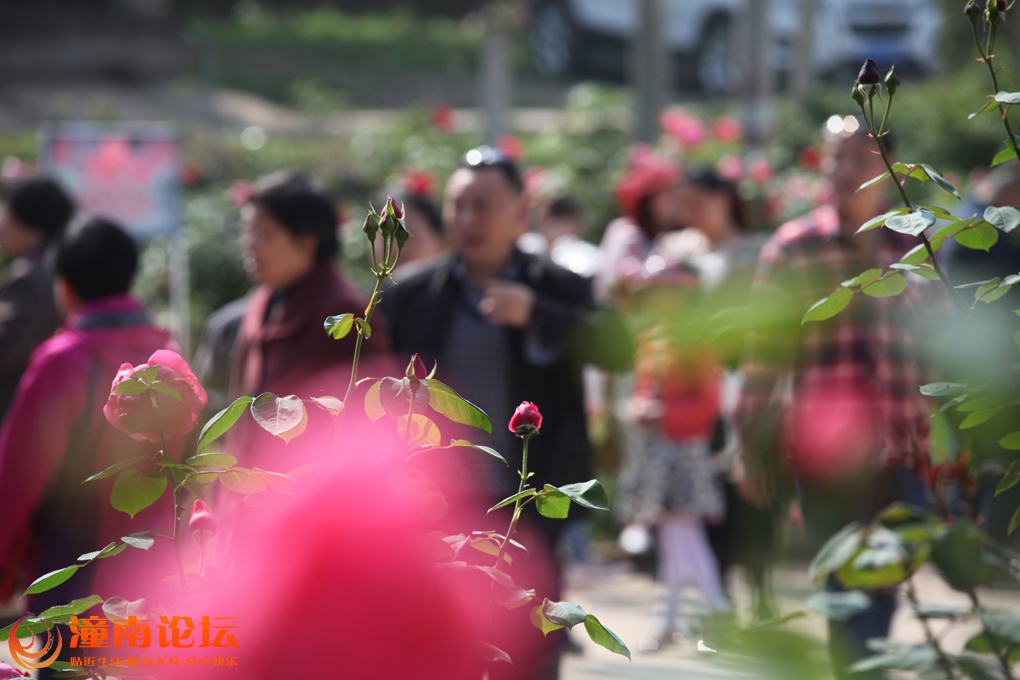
x=133, y=491
x=283, y=417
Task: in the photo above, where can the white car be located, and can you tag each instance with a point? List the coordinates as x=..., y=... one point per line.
x=591, y=36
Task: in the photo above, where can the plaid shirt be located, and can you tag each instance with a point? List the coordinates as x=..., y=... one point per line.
x=866, y=352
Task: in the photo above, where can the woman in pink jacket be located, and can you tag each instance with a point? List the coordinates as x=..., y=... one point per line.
x=56, y=435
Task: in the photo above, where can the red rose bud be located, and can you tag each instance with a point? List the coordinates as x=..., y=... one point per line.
x=394, y=209
x=892, y=80
x=869, y=74
x=526, y=419
x=419, y=368
x=202, y=525
x=134, y=414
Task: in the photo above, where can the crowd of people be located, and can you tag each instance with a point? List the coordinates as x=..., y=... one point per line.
x=683, y=325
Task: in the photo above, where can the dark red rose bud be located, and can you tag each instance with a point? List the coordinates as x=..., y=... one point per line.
x=972, y=11
x=526, y=420
x=869, y=74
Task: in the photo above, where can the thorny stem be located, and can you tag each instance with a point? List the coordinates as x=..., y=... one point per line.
x=357, y=343
x=870, y=122
x=992, y=641
x=987, y=57
x=177, y=498
x=929, y=634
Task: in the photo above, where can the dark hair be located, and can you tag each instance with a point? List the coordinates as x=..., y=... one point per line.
x=98, y=260
x=564, y=206
x=425, y=207
x=40, y=203
x=709, y=180
x=487, y=157
x=302, y=206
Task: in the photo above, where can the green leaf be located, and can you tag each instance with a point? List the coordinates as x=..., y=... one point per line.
x=1007, y=483
x=364, y=328
x=492, y=653
x=58, y=614
x=919, y=254
x=1007, y=97
x=957, y=555
x=826, y=308
x=836, y=552
x=1013, y=523
x=222, y=421
x=873, y=181
x=588, y=494
x=1011, y=441
x=51, y=580
x=565, y=614
x=484, y=449
x=924, y=271
x=601, y=635
x=980, y=236
x=110, y=548
x=117, y=609
x=450, y=404
x=527, y=493
x=882, y=561
x=538, y=620
x=994, y=293
x=978, y=417
x=283, y=417
x=913, y=223
x=887, y=286
x=989, y=105
x=935, y=176
x=114, y=469
x=839, y=606
x=373, y=405
x=553, y=504
x=333, y=405
x=338, y=326
x=130, y=388
x=921, y=658
x=140, y=542
x=1004, y=156
x=163, y=388
x=242, y=481
x=212, y=460
x=943, y=389
x=1001, y=623
x=1004, y=218
x=876, y=222
x=134, y=491
x=863, y=278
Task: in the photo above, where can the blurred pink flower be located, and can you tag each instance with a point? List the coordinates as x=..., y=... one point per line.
x=727, y=129
x=731, y=168
x=202, y=524
x=810, y=157
x=240, y=192
x=760, y=170
x=686, y=129
x=535, y=179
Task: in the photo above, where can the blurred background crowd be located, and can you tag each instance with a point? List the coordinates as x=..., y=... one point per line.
x=617, y=166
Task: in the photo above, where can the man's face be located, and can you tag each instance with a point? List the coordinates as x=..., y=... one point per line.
x=484, y=215
x=851, y=162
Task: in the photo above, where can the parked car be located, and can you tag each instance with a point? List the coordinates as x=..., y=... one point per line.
x=590, y=36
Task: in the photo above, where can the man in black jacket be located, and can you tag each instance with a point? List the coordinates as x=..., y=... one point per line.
x=507, y=327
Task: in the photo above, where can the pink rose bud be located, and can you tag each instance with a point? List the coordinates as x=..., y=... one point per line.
x=869, y=74
x=133, y=413
x=202, y=525
x=526, y=419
